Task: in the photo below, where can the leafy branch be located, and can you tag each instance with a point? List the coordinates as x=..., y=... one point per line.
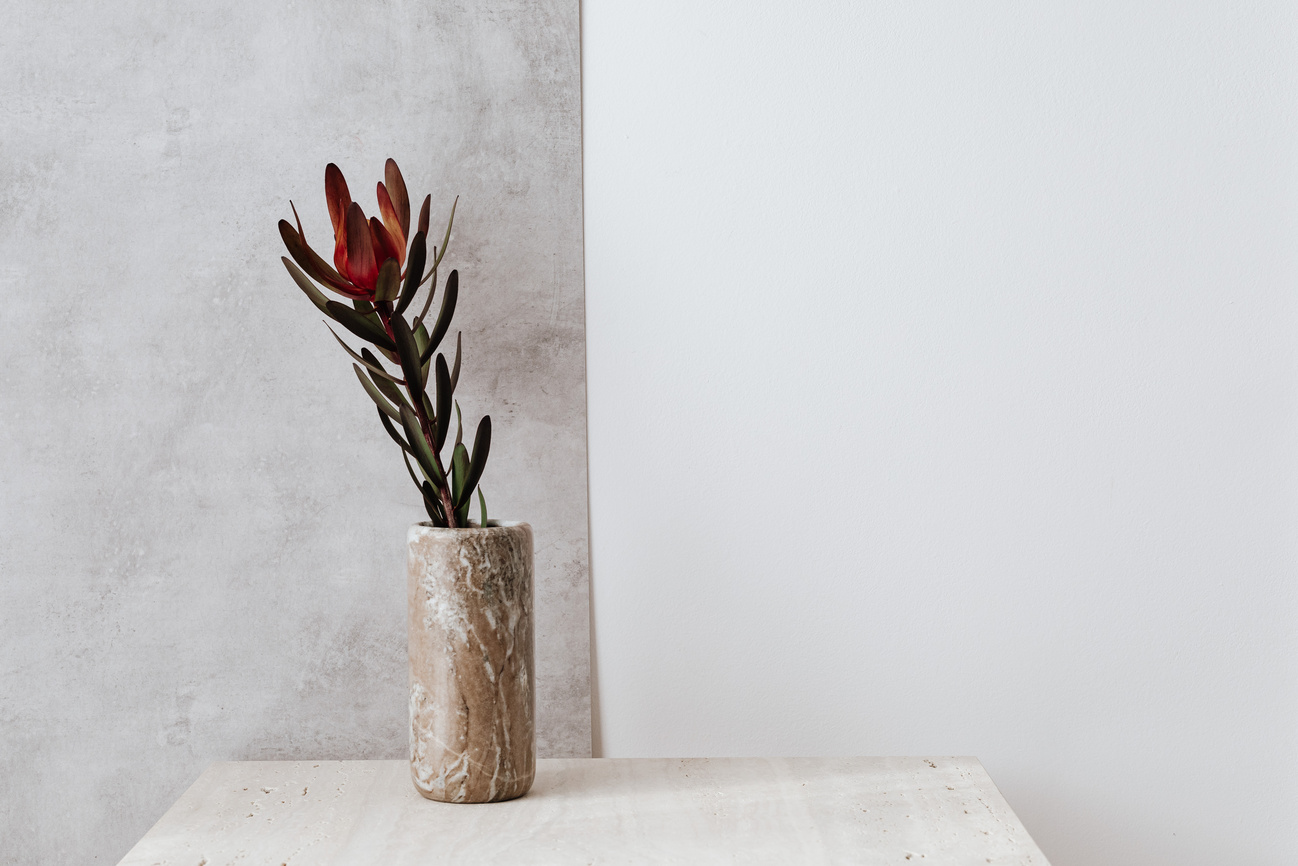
x=369, y=255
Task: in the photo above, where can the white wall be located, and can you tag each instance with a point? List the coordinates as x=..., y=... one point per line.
x=942, y=400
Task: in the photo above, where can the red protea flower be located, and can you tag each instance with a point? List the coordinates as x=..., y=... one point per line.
x=361, y=246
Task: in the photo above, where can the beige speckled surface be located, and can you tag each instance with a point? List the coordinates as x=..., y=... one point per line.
x=938, y=811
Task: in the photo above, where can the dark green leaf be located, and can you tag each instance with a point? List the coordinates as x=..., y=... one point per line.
x=360, y=325
x=386, y=387
x=443, y=378
x=408, y=352
x=428, y=301
x=384, y=406
x=481, y=448
x=374, y=367
x=392, y=431
x=446, y=239
x=405, y=456
x=388, y=288
x=444, y=317
x=459, y=424
x=366, y=309
x=455, y=368
x=433, y=506
x=422, y=452
x=317, y=297
x=423, y=214
x=482, y=501
x=421, y=342
x=414, y=271
x=459, y=472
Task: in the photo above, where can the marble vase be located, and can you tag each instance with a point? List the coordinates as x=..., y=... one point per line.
x=472, y=703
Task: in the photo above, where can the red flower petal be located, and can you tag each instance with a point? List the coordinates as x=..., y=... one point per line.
x=312, y=264
x=338, y=197
x=396, y=186
x=384, y=246
x=340, y=248
x=298, y=220
x=361, y=268
x=392, y=224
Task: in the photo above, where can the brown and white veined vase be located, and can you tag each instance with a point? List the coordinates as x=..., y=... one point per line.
x=472, y=670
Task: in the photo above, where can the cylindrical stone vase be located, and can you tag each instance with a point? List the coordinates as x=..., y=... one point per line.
x=472, y=702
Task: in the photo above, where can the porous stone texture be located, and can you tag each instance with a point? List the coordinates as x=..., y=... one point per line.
x=934, y=811
x=202, y=521
x=472, y=699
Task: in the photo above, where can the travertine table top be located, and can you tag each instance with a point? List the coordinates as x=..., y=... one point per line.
x=932, y=811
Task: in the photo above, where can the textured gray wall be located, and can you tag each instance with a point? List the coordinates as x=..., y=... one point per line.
x=203, y=523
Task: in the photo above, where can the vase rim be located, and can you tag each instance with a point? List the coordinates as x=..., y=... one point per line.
x=425, y=526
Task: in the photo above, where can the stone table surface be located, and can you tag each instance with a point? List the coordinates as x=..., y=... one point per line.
x=911, y=811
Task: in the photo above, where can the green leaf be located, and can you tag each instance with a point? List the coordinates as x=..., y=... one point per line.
x=459, y=471
x=459, y=424
x=378, y=370
x=386, y=388
x=405, y=456
x=388, y=288
x=421, y=342
x=431, y=503
x=443, y=378
x=360, y=325
x=423, y=213
x=482, y=501
x=384, y=406
x=481, y=448
x=433, y=506
x=409, y=354
x=444, y=317
x=366, y=309
x=304, y=283
x=462, y=516
x=396, y=437
x=413, y=477
x=446, y=239
x=422, y=452
x=455, y=368
x=414, y=271
x=428, y=301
